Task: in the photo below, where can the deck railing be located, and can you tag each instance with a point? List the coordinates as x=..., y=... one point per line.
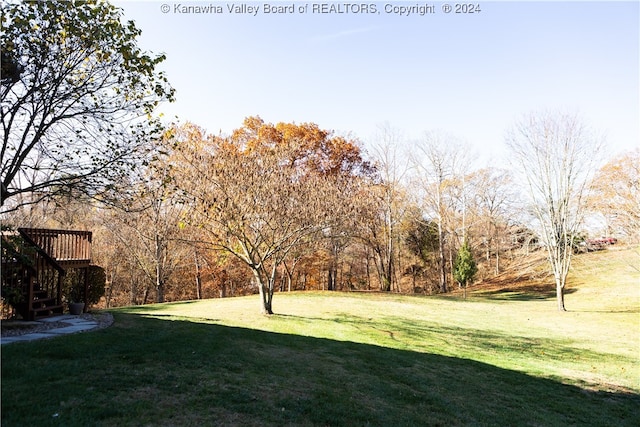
x=67, y=247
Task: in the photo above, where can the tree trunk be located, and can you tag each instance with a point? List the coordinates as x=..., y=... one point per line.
x=560, y=297
x=443, y=261
x=389, y=272
x=109, y=292
x=389, y=256
x=267, y=299
x=133, y=294
x=453, y=280
x=382, y=265
x=560, y=260
x=159, y=269
x=397, y=270
x=289, y=274
x=145, y=294
x=159, y=286
x=265, y=286
x=198, y=277
x=368, y=269
x=331, y=278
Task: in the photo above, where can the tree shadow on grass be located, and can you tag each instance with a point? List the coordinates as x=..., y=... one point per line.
x=158, y=306
x=523, y=293
x=147, y=371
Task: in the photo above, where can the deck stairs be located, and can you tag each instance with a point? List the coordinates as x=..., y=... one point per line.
x=34, y=263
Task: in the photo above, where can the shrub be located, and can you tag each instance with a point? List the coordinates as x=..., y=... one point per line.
x=72, y=287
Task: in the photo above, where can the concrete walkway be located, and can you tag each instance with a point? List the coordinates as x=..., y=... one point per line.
x=76, y=324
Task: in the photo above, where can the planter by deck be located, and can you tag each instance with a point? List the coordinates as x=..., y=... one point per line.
x=76, y=308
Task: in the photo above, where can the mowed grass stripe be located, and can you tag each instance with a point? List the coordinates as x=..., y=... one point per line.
x=340, y=359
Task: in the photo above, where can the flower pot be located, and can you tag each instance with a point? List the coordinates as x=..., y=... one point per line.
x=76, y=308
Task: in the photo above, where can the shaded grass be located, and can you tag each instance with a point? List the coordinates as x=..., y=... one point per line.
x=597, y=350
x=146, y=371
x=346, y=359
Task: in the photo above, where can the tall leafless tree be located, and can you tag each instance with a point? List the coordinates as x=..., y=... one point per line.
x=389, y=197
x=556, y=154
x=440, y=161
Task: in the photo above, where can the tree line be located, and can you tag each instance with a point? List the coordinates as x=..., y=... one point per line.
x=178, y=213
x=283, y=207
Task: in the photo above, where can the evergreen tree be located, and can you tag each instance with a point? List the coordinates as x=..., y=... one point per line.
x=464, y=268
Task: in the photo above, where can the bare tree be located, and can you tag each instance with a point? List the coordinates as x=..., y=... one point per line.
x=441, y=161
x=152, y=220
x=389, y=203
x=557, y=156
x=490, y=204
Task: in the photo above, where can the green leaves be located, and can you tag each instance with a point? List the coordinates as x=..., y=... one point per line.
x=74, y=76
x=465, y=267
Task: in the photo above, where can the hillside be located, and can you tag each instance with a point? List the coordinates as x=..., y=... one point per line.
x=503, y=355
x=603, y=299
x=609, y=279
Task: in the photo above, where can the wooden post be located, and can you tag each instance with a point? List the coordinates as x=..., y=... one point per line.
x=86, y=289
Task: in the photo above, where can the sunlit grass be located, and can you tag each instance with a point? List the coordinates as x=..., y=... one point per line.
x=331, y=358
x=596, y=349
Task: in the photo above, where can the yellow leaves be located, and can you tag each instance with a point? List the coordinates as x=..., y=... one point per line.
x=616, y=193
x=169, y=133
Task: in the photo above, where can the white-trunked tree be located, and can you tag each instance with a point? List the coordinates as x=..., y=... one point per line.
x=556, y=155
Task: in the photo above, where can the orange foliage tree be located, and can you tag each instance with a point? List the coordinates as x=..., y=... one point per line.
x=265, y=189
x=616, y=194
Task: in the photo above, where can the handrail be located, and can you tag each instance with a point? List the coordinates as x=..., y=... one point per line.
x=61, y=245
x=41, y=251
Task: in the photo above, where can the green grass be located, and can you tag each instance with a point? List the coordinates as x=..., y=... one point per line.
x=347, y=359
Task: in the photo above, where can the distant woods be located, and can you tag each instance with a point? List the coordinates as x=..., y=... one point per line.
x=178, y=213
x=281, y=207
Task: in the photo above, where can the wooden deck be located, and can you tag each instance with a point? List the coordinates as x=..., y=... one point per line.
x=68, y=248
x=39, y=271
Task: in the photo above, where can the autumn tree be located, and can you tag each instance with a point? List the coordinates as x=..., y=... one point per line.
x=76, y=99
x=388, y=202
x=262, y=191
x=616, y=194
x=441, y=160
x=556, y=154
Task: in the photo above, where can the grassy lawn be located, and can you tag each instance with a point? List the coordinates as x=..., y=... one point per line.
x=496, y=358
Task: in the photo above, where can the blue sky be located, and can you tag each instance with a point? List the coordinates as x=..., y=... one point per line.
x=470, y=75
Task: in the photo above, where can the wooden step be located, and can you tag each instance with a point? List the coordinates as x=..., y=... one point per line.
x=40, y=294
x=43, y=302
x=51, y=310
